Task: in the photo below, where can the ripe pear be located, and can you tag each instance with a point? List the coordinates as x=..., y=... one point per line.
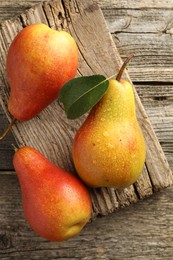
x=109, y=148
x=56, y=204
x=39, y=62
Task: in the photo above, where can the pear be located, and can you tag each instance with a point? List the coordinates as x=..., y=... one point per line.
x=56, y=203
x=40, y=61
x=109, y=148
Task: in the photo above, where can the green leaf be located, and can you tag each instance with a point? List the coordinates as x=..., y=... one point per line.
x=79, y=95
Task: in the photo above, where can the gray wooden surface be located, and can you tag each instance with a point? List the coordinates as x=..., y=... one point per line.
x=141, y=231
x=50, y=132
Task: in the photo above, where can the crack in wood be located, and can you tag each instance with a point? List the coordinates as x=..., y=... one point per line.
x=5, y=241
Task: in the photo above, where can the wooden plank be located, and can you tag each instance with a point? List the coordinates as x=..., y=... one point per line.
x=139, y=21
x=141, y=27
x=6, y=149
x=44, y=132
x=140, y=231
x=11, y=8
x=136, y=4
x=117, y=16
x=157, y=100
x=135, y=31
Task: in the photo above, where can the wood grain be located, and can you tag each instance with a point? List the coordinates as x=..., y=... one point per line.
x=140, y=231
x=158, y=103
x=10, y=8
x=45, y=131
x=145, y=29
x=135, y=4
x=145, y=37
x=141, y=27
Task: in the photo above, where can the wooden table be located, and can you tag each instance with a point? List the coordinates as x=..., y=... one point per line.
x=140, y=231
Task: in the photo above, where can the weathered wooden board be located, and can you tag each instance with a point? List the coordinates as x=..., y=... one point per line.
x=153, y=56
x=50, y=132
x=142, y=231
x=135, y=4
x=10, y=8
x=144, y=28
x=141, y=27
x=158, y=102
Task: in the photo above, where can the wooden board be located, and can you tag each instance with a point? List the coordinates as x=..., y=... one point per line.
x=142, y=231
x=50, y=132
x=149, y=37
x=143, y=27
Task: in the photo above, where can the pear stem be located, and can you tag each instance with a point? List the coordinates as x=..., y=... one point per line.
x=129, y=57
x=8, y=129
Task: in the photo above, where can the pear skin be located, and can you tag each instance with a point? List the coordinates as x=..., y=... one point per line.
x=56, y=204
x=109, y=148
x=40, y=61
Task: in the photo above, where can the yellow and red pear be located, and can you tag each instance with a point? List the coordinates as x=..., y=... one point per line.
x=56, y=204
x=39, y=62
x=109, y=148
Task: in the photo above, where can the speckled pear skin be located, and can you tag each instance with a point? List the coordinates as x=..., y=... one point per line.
x=40, y=61
x=56, y=204
x=109, y=148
